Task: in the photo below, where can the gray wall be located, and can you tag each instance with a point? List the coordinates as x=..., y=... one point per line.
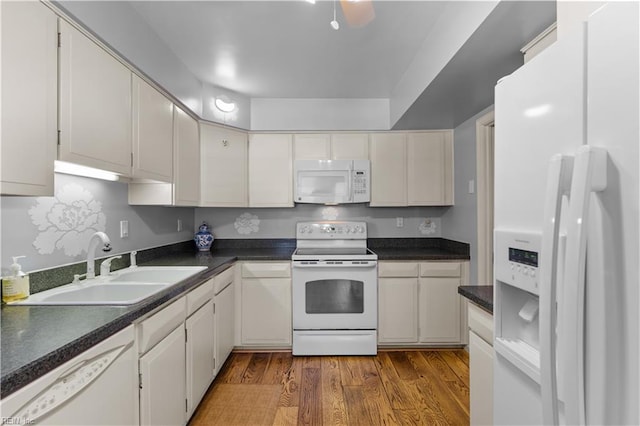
x=54, y=231
x=460, y=223
x=280, y=222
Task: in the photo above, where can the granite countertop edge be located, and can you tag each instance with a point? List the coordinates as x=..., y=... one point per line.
x=217, y=260
x=481, y=295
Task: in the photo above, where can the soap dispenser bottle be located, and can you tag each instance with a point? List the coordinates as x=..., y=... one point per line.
x=15, y=287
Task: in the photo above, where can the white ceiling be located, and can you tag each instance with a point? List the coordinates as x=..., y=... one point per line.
x=287, y=49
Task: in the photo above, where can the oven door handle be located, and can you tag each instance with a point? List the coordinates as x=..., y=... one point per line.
x=325, y=265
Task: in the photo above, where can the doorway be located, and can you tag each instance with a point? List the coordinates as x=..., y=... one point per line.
x=485, y=168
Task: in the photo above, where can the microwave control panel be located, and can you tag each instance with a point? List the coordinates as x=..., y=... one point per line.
x=360, y=182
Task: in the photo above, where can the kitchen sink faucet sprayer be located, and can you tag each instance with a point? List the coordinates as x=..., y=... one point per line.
x=93, y=244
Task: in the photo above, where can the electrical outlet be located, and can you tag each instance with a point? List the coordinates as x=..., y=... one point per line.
x=399, y=222
x=124, y=228
x=472, y=186
x=179, y=225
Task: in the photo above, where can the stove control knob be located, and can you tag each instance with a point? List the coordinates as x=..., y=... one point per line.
x=347, y=229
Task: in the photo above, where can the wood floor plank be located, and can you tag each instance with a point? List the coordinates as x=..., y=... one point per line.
x=354, y=370
x=311, y=362
x=290, y=396
x=333, y=405
x=376, y=399
x=357, y=412
x=309, y=408
x=402, y=365
x=234, y=368
x=401, y=395
x=279, y=365
x=256, y=368
x=437, y=392
x=286, y=416
x=458, y=388
x=456, y=364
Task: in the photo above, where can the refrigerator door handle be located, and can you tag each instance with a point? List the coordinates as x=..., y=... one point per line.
x=589, y=175
x=558, y=186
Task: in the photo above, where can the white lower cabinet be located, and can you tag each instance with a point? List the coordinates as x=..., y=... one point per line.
x=419, y=302
x=224, y=312
x=162, y=382
x=480, y=365
x=266, y=304
x=200, y=354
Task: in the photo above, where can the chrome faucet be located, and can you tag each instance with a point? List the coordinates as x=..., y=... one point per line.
x=96, y=238
x=105, y=266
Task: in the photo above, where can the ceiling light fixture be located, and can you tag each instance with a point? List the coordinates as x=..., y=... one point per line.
x=334, y=24
x=225, y=105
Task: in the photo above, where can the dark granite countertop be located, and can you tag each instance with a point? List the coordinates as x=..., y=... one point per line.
x=482, y=295
x=37, y=339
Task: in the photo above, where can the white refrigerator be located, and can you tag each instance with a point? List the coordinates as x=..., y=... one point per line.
x=567, y=330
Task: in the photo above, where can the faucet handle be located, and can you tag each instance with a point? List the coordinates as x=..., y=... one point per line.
x=105, y=266
x=132, y=257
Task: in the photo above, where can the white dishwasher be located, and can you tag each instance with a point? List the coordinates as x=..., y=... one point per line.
x=97, y=387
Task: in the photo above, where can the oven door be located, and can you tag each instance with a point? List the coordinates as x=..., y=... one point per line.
x=341, y=295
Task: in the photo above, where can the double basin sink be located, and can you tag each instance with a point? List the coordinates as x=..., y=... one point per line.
x=124, y=287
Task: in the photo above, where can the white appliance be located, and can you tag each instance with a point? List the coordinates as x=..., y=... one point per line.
x=567, y=229
x=335, y=290
x=331, y=181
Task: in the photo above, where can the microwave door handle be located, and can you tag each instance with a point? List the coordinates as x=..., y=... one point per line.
x=349, y=181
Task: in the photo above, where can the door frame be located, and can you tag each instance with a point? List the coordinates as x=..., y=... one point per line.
x=484, y=176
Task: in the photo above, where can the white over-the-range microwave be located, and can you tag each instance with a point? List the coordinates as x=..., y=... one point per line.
x=331, y=181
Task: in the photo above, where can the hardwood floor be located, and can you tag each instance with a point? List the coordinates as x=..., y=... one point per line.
x=426, y=387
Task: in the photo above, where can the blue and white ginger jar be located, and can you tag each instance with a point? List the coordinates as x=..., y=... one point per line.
x=203, y=238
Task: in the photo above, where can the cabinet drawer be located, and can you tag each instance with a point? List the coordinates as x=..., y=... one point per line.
x=397, y=269
x=199, y=297
x=481, y=323
x=440, y=269
x=155, y=328
x=222, y=280
x=266, y=270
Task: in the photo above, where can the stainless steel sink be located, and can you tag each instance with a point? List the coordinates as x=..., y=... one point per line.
x=124, y=287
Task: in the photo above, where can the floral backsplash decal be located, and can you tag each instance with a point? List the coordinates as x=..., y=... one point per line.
x=66, y=221
x=428, y=227
x=329, y=213
x=247, y=223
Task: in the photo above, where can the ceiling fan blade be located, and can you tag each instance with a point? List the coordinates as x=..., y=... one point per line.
x=358, y=13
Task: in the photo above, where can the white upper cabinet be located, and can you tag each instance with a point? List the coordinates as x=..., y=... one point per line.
x=334, y=146
x=312, y=146
x=152, y=133
x=350, y=146
x=388, y=153
x=270, y=170
x=186, y=160
x=29, y=98
x=224, y=167
x=430, y=168
x=95, y=105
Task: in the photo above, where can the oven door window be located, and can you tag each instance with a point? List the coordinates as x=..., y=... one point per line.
x=334, y=296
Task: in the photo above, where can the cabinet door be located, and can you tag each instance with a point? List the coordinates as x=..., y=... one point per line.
x=350, y=146
x=480, y=380
x=430, y=168
x=398, y=310
x=224, y=324
x=186, y=164
x=152, y=133
x=270, y=170
x=29, y=98
x=266, y=311
x=439, y=310
x=95, y=105
x=224, y=167
x=200, y=354
x=312, y=146
x=162, y=392
x=388, y=153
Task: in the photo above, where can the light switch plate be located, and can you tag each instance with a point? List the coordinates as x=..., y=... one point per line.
x=124, y=228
